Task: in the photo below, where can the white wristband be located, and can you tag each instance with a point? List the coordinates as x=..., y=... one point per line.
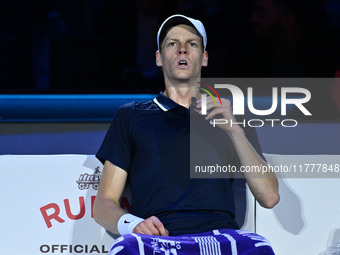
x=127, y=222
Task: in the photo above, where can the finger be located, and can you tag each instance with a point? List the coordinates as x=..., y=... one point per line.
x=215, y=112
x=146, y=227
x=138, y=229
x=217, y=102
x=159, y=226
x=151, y=226
x=209, y=100
x=197, y=110
x=147, y=231
x=209, y=106
x=226, y=102
x=212, y=105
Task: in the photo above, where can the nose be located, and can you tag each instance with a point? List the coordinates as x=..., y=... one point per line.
x=182, y=50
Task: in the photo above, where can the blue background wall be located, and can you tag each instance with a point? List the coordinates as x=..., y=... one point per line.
x=76, y=124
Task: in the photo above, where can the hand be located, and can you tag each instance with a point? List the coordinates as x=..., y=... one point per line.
x=151, y=226
x=217, y=110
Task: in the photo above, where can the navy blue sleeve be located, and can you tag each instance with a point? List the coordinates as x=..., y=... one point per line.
x=117, y=146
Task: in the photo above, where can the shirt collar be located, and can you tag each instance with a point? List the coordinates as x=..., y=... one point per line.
x=164, y=102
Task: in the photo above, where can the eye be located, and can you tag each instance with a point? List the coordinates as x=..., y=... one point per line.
x=171, y=44
x=193, y=44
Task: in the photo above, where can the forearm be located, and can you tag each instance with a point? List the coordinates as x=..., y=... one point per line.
x=106, y=209
x=263, y=184
x=107, y=213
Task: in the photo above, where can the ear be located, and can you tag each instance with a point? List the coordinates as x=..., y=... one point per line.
x=158, y=59
x=205, y=58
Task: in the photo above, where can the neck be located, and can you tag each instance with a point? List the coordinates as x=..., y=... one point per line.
x=181, y=93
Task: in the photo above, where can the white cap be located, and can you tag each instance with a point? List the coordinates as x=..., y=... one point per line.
x=181, y=19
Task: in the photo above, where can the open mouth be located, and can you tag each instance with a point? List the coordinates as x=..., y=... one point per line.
x=183, y=63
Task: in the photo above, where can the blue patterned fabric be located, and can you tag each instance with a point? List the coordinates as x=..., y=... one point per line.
x=216, y=242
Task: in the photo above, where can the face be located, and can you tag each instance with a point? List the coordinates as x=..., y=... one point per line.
x=182, y=55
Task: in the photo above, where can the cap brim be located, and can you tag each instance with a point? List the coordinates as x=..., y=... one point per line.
x=174, y=21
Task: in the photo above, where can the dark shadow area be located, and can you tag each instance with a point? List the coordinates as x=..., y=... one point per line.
x=290, y=207
x=98, y=46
